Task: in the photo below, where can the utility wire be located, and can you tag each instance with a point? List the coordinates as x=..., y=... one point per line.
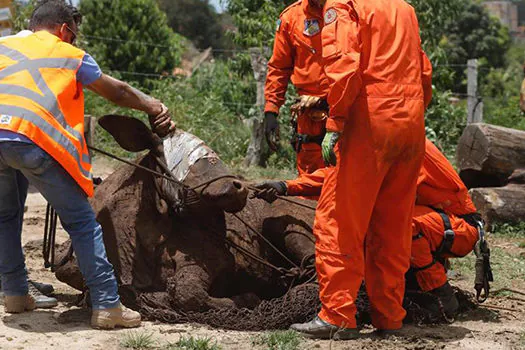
x=151, y=44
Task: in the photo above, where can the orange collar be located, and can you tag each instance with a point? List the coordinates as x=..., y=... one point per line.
x=311, y=10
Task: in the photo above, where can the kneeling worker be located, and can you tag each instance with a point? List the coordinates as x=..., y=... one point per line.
x=445, y=222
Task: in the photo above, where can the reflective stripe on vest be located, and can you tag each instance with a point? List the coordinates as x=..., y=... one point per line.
x=47, y=100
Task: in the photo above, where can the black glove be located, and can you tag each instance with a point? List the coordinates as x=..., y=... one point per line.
x=271, y=130
x=270, y=190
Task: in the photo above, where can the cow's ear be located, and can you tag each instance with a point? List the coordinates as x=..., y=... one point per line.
x=130, y=133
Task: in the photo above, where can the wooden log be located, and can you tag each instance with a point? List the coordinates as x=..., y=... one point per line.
x=487, y=154
x=500, y=204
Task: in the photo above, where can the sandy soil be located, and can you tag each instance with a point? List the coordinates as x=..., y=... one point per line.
x=67, y=327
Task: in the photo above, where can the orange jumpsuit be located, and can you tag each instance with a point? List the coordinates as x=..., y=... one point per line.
x=439, y=186
x=380, y=80
x=297, y=57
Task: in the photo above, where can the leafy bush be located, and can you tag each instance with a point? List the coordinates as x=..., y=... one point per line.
x=500, y=89
x=509, y=230
x=130, y=36
x=445, y=122
x=198, y=111
x=198, y=21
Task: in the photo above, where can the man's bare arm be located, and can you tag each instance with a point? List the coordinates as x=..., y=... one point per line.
x=124, y=95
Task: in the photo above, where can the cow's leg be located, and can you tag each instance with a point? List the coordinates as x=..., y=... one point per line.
x=298, y=241
x=291, y=233
x=69, y=273
x=190, y=288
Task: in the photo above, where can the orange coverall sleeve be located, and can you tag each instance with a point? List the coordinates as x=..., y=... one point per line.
x=280, y=69
x=341, y=54
x=308, y=185
x=426, y=77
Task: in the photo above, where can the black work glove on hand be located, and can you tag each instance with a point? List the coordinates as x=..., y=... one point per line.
x=271, y=130
x=270, y=190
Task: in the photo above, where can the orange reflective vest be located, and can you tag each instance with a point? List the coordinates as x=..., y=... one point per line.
x=41, y=99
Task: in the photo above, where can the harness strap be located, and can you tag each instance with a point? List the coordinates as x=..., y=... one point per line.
x=418, y=236
x=448, y=238
x=434, y=260
x=300, y=139
x=418, y=269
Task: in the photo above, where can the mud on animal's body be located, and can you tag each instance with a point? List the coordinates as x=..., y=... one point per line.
x=153, y=250
x=179, y=268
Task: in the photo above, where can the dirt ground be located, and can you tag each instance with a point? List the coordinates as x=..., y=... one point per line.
x=67, y=327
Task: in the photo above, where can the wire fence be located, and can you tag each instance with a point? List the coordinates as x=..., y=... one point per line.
x=151, y=44
x=202, y=79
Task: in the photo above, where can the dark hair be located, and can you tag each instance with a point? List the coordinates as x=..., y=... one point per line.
x=49, y=13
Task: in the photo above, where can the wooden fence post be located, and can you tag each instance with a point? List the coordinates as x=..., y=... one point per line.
x=257, y=150
x=474, y=102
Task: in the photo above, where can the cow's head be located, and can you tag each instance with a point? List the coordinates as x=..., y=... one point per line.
x=187, y=159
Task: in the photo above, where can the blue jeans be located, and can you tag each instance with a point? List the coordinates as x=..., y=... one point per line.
x=75, y=213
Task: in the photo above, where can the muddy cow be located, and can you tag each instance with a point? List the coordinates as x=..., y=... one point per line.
x=190, y=244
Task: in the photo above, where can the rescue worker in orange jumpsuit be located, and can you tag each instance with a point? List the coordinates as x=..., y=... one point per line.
x=380, y=80
x=297, y=57
x=444, y=224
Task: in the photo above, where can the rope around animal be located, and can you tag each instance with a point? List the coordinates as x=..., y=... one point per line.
x=295, y=272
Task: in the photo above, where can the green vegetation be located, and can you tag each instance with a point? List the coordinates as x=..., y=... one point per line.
x=130, y=36
x=279, y=340
x=132, y=39
x=508, y=265
x=198, y=21
x=23, y=13
x=138, y=340
x=197, y=107
x=191, y=343
x=445, y=122
x=509, y=230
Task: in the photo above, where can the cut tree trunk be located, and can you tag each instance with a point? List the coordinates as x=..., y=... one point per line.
x=500, y=204
x=487, y=154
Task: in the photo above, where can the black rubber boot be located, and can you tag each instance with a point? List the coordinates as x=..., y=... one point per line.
x=448, y=303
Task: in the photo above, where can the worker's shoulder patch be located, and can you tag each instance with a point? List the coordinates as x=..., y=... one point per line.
x=330, y=15
x=311, y=27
